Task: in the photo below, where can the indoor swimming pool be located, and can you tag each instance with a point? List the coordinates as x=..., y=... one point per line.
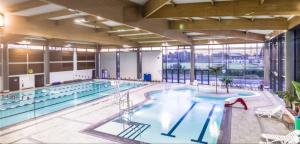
x=24, y=105
x=181, y=115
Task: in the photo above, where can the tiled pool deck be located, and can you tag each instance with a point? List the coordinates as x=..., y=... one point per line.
x=67, y=126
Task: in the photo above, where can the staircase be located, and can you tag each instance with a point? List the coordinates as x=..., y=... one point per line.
x=134, y=130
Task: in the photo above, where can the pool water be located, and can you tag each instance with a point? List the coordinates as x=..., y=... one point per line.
x=170, y=116
x=20, y=106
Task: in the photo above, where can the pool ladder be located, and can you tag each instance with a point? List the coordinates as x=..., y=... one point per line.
x=125, y=107
x=117, y=94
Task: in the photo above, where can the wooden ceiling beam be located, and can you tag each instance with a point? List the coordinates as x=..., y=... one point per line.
x=143, y=37
x=212, y=2
x=153, y=39
x=159, y=44
x=294, y=22
x=235, y=34
x=125, y=12
x=24, y=5
x=223, y=41
x=61, y=30
x=54, y=14
x=232, y=24
x=230, y=8
x=152, y=6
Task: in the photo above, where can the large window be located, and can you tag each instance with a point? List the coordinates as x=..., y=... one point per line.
x=176, y=64
x=297, y=54
x=242, y=62
x=277, y=61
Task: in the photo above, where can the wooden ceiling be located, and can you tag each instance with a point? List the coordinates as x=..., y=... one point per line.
x=151, y=22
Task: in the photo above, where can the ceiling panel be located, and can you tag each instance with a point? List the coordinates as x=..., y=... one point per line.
x=5, y=3
x=69, y=16
x=39, y=10
x=195, y=1
x=112, y=23
x=140, y=2
x=266, y=32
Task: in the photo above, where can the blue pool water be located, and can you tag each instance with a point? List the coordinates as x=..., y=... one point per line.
x=170, y=116
x=20, y=106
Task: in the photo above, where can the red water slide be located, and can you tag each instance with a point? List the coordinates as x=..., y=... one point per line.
x=240, y=100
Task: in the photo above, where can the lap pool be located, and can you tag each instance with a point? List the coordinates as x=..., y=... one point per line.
x=17, y=107
x=182, y=115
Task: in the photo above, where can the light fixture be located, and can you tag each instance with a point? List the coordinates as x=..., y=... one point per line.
x=137, y=29
x=99, y=18
x=126, y=46
x=24, y=42
x=165, y=44
x=181, y=26
x=212, y=42
x=2, y=20
x=68, y=45
x=120, y=30
x=71, y=10
x=80, y=20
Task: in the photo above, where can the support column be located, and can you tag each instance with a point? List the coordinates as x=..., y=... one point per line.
x=46, y=64
x=266, y=64
x=192, y=71
x=139, y=63
x=289, y=59
x=97, y=62
x=118, y=64
x=5, y=67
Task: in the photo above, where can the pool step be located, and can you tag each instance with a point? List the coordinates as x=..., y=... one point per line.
x=134, y=130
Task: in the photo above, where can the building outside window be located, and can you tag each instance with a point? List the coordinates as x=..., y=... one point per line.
x=242, y=62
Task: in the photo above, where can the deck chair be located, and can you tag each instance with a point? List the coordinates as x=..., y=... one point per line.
x=291, y=138
x=269, y=112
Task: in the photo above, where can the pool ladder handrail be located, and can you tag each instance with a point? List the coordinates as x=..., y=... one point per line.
x=125, y=106
x=117, y=94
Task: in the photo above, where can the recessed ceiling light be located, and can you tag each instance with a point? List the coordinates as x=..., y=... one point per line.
x=126, y=46
x=99, y=18
x=68, y=45
x=24, y=42
x=80, y=20
x=71, y=10
x=165, y=44
x=120, y=30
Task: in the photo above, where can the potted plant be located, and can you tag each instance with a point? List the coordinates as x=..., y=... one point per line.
x=227, y=81
x=216, y=70
x=287, y=97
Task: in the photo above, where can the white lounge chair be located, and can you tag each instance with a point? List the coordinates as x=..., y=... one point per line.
x=269, y=112
x=291, y=138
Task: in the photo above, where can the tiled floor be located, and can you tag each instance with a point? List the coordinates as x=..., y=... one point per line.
x=247, y=128
x=66, y=126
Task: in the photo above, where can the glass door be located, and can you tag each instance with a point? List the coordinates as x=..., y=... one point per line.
x=202, y=76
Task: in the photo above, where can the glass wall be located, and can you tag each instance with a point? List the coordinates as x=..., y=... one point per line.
x=277, y=61
x=176, y=64
x=242, y=62
x=202, y=62
x=297, y=54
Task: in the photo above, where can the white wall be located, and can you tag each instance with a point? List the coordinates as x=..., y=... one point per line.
x=128, y=65
x=70, y=75
x=1, y=83
x=27, y=81
x=152, y=63
x=108, y=62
